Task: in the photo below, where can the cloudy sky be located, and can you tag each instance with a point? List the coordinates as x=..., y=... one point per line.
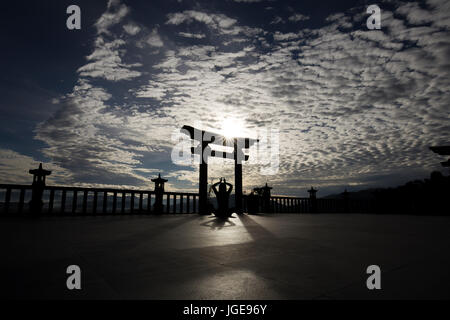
x=354, y=108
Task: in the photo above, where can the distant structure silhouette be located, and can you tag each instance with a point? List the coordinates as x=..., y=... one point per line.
x=38, y=185
x=159, y=191
x=223, y=196
x=346, y=197
x=428, y=196
x=205, y=138
x=443, y=151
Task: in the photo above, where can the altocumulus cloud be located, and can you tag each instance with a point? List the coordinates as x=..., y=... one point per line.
x=353, y=106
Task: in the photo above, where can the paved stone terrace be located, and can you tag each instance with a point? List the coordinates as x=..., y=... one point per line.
x=283, y=256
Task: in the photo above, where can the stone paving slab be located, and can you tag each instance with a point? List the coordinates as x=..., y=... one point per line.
x=282, y=256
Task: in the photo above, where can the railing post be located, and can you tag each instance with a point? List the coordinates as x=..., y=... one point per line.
x=132, y=202
x=50, y=201
x=105, y=202
x=85, y=196
x=21, y=199
x=194, y=204
x=174, y=203
x=181, y=203
x=94, y=206
x=74, y=202
x=114, y=204
x=7, y=199
x=274, y=203
x=168, y=203
x=141, y=197
x=149, y=202
x=63, y=201
x=188, y=204
x=123, y=203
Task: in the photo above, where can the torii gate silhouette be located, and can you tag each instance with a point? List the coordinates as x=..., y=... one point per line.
x=204, y=150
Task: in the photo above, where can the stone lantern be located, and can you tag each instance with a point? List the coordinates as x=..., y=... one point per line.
x=313, y=200
x=266, y=198
x=159, y=191
x=38, y=185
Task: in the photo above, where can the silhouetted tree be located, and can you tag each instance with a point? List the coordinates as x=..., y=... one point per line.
x=428, y=196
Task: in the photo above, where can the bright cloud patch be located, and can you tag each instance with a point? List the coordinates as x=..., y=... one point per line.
x=354, y=107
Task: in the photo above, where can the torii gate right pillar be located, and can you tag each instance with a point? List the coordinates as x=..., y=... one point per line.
x=203, y=189
x=238, y=186
x=238, y=158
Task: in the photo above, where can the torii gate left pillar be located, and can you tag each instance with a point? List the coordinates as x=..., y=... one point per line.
x=238, y=158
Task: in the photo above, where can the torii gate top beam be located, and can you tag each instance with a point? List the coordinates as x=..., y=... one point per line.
x=441, y=150
x=217, y=139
